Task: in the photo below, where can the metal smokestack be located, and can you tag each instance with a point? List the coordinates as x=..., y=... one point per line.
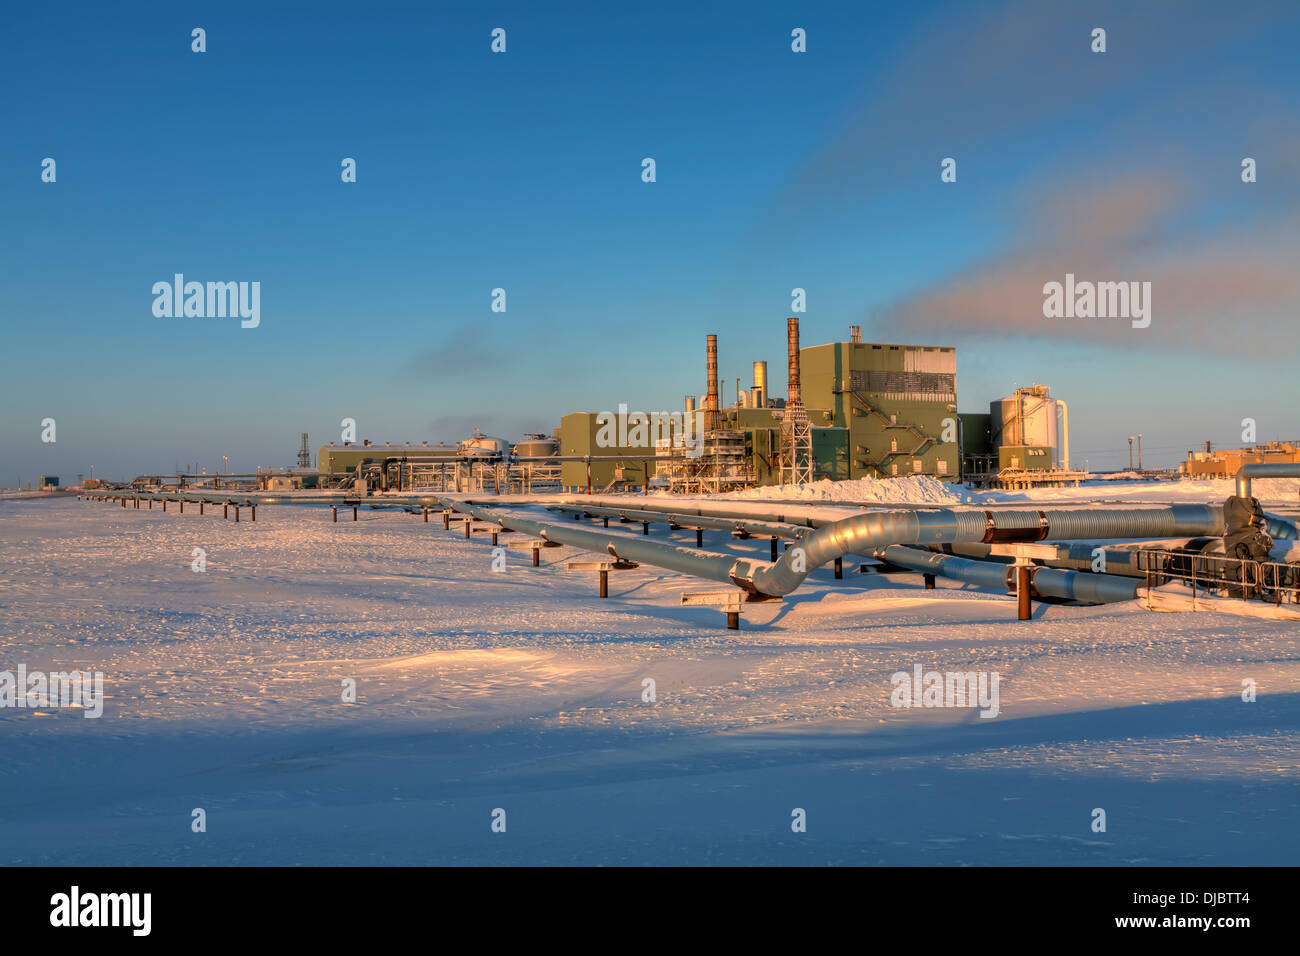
x=690, y=404
x=760, y=384
x=712, y=408
x=792, y=349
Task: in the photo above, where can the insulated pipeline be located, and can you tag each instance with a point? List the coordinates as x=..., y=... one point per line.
x=865, y=533
x=1079, y=586
x=1262, y=470
x=702, y=564
x=685, y=520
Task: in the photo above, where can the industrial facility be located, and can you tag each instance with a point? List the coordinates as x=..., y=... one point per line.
x=1224, y=463
x=853, y=409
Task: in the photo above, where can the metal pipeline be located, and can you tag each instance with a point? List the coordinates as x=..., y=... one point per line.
x=750, y=525
x=1079, y=586
x=1280, y=528
x=693, y=561
x=1064, y=411
x=864, y=534
x=1290, y=469
x=584, y=502
x=1120, y=558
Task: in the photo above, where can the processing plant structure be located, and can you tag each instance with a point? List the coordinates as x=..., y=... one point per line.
x=853, y=409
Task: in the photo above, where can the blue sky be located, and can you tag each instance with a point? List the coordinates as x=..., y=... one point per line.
x=775, y=170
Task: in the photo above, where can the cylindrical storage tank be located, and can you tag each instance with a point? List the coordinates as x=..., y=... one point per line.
x=479, y=445
x=1005, y=415
x=690, y=404
x=760, y=384
x=1026, y=418
x=537, y=446
x=1037, y=417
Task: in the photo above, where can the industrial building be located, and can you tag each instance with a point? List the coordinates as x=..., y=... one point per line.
x=853, y=409
x=618, y=465
x=879, y=410
x=344, y=457
x=1023, y=441
x=1225, y=463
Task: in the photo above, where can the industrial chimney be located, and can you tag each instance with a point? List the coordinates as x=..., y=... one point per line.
x=792, y=348
x=712, y=415
x=760, y=384
x=855, y=334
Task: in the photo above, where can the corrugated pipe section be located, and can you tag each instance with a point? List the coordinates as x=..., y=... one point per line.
x=1279, y=528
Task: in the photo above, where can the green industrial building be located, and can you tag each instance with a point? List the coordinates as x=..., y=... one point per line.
x=335, y=459
x=876, y=410
x=894, y=407
x=580, y=435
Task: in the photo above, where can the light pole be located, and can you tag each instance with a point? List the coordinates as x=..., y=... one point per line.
x=1130, y=452
x=1139, y=451
x=224, y=459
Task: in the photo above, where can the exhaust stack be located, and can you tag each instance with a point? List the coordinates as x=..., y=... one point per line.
x=712, y=413
x=792, y=348
x=760, y=384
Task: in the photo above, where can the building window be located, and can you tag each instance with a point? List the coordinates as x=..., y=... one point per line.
x=917, y=465
x=943, y=467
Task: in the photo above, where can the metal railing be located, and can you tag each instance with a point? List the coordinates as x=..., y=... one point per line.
x=1273, y=582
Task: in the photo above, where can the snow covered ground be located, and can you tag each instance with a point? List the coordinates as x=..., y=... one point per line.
x=523, y=691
